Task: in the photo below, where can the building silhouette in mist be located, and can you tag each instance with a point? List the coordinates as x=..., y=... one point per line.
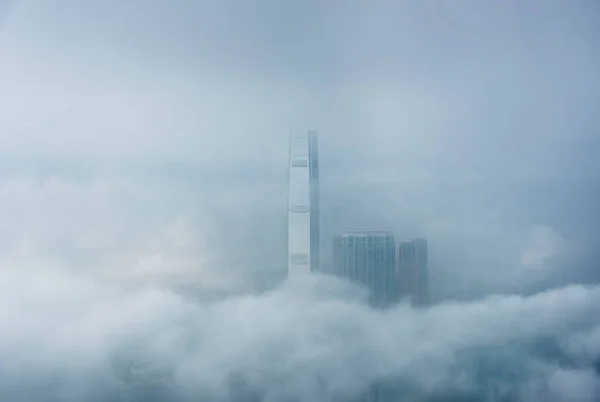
x=303, y=204
x=413, y=271
x=369, y=259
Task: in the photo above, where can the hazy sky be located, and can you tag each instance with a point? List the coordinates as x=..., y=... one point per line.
x=471, y=124
x=146, y=141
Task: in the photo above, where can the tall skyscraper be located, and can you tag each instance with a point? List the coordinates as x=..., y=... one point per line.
x=368, y=258
x=303, y=204
x=413, y=271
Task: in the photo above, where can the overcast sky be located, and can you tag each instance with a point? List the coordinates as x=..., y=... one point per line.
x=470, y=124
x=146, y=141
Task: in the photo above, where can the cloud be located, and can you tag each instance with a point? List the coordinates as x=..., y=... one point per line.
x=68, y=337
x=112, y=228
x=542, y=244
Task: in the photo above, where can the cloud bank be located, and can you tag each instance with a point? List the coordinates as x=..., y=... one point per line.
x=65, y=337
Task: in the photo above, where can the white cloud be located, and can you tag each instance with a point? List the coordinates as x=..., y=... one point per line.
x=290, y=341
x=112, y=228
x=542, y=244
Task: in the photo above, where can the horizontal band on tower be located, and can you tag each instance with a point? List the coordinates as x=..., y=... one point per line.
x=299, y=208
x=298, y=259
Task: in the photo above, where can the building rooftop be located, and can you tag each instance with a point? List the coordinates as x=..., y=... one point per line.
x=366, y=233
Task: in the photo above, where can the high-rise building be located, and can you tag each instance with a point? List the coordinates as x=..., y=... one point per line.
x=413, y=271
x=303, y=204
x=368, y=258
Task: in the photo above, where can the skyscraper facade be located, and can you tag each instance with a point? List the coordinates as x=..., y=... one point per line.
x=368, y=258
x=303, y=204
x=413, y=271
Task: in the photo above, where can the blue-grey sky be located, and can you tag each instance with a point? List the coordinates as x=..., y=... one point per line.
x=146, y=142
x=471, y=124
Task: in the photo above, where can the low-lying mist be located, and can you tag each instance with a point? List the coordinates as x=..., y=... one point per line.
x=65, y=337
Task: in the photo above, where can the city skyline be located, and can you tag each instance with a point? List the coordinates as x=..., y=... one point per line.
x=366, y=257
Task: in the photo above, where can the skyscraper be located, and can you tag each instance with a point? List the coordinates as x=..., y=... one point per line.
x=303, y=204
x=413, y=271
x=368, y=258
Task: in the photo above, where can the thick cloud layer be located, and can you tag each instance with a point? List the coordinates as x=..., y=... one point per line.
x=69, y=338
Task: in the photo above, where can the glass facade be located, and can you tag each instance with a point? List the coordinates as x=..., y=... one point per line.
x=314, y=202
x=303, y=204
x=413, y=271
x=368, y=258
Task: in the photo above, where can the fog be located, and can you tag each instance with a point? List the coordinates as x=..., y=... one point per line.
x=143, y=160
x=67, y=338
